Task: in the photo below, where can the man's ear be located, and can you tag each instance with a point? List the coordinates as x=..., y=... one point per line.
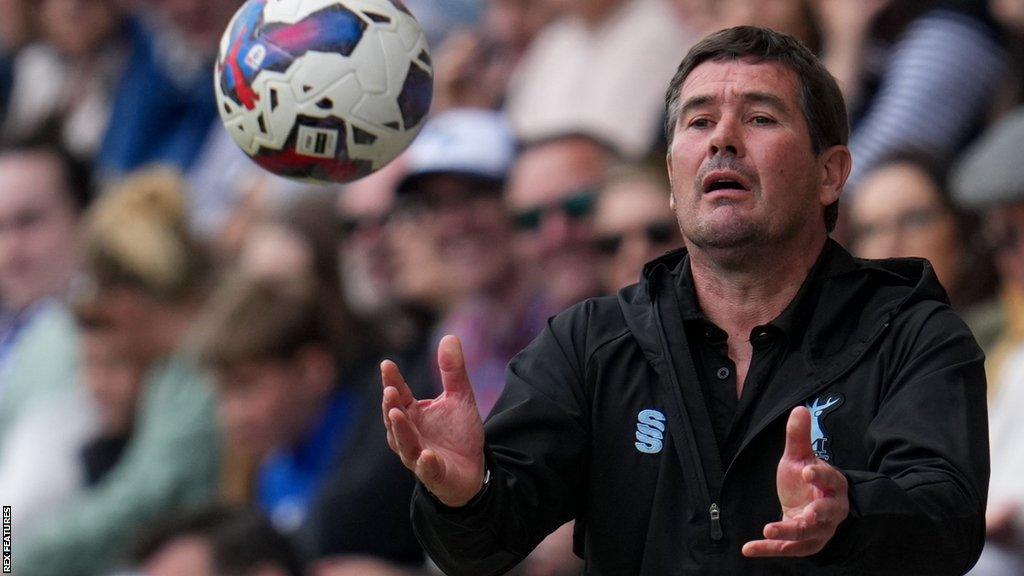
x=836, y=164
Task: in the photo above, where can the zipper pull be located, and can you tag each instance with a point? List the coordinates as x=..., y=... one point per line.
x=716, y=524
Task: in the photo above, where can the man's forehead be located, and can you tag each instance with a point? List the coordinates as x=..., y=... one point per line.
x=741, y=76
x=555, y=171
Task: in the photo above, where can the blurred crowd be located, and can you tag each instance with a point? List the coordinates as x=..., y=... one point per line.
x=189, y=345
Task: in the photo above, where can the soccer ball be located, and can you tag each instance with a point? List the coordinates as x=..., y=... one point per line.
x=323, y=90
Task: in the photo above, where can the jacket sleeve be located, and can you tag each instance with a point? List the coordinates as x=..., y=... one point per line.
x=536, y=450
x=920, y=507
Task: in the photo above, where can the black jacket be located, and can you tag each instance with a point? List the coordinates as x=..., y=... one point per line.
x=577, y=434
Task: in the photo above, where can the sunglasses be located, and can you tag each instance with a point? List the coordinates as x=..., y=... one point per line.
x=657, y=234
x=575, y=207
x=351, y=225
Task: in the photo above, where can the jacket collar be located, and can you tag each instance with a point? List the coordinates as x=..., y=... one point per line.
x=831, y=338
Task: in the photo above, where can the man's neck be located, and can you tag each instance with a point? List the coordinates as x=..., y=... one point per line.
x=739, y=293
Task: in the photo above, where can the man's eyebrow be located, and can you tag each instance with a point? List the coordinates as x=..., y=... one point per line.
x=695, y=102
x=766, y=98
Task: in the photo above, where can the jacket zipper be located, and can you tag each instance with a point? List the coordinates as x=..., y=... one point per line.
x=714, y=511
x=716, y=524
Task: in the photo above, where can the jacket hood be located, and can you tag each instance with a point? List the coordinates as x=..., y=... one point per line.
x=833, y=339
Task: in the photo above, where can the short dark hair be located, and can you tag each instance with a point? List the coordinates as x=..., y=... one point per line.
x=240, y=540
x=821, y=100
x=76, y=174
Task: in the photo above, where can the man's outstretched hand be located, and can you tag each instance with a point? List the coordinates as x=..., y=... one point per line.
x=813, y=496
x=440, y=440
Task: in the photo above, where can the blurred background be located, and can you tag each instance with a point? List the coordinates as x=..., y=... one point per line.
x=188, y=344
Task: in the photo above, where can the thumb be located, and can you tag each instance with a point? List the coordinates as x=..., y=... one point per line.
x=798, y=435
x=450, y=360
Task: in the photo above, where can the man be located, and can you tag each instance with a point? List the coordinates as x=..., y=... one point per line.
x=212, y=541
x=671, y=421
x=43, y=195
x=551, y=194
x=296, y=394
x=452, y=192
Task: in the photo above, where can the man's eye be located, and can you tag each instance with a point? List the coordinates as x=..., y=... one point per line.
x=700, y=123
x=762, y=120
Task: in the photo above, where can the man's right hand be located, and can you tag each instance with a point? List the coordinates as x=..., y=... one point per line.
x=440, y=440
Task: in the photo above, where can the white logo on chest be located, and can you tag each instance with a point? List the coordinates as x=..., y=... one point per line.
x=650, y=431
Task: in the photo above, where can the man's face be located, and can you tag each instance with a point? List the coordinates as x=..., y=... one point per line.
x=551, y=196
x=742, y=167
x=37, y=230
x=471, y=230
x=260, y=406
x=112, y=378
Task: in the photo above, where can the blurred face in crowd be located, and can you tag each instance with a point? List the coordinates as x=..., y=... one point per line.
x=1005, y=226
x=112, y=379
x=634, y=225
x=269, y=404
x=274, y=251
x=898, y=211
x=471, y=230
x=419, y=276
x=788, y=16
x=38, y=226
x=184, y=556
x=743, y=171
x=514, y=23
x=363, y=207
x=202, y=21
x=79, y=27
x=551, y=195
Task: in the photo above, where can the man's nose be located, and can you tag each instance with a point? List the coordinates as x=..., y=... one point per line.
x=727, y=137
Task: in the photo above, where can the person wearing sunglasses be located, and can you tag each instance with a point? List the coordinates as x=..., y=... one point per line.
x=633, y=224
x=551, y=195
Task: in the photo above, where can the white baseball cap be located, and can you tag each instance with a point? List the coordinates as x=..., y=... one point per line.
x=470, y=142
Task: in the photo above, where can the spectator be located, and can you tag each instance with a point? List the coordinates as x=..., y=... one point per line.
x=215, y=542
x=918, y=75
x=903, y=209
x=473, y=67
x=68, y=441
x=990, y=178
x=634, y=44
x=297, y=392
x=65, y=82
x=145, y=276
x=113, y=381
x=164, y=107
x=456, y=173
x=633, y=224
x=363, y=208
x=551, y=194
x=44, y=192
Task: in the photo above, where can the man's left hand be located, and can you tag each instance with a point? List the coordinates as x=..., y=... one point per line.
x=813, y=496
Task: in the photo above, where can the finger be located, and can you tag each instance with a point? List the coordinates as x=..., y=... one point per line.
x=391, y=377
x=430, y=468
x=798, y=435
x=817, y=521
x=781, y=548
x=453, y=367
x=406, y=438
x=825, y=478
